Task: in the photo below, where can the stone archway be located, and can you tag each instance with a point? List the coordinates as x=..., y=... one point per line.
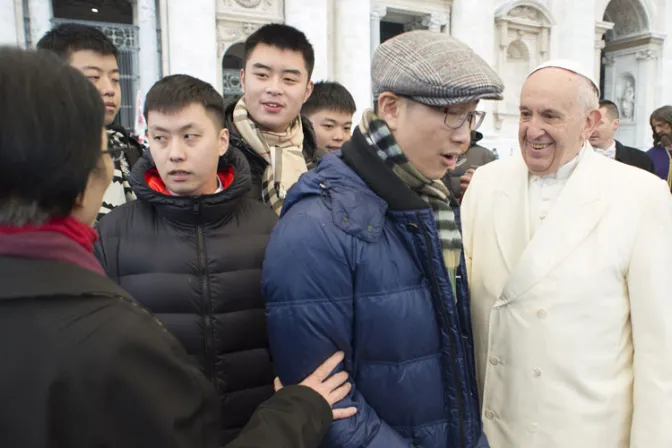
x=630, y=66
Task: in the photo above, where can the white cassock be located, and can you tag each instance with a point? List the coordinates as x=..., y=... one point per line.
x=573, y=325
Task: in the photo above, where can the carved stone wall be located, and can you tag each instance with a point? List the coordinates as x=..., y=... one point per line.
x=523, y=35
x=236, y=20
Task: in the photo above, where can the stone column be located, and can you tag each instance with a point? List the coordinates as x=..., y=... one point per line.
x=40, y=19
x=646, y=95
x=600, y=29
x=193, y=40
x=9, y=34
x=353, y=52
x=149, y=49
x=377, y=14
x=313, y=19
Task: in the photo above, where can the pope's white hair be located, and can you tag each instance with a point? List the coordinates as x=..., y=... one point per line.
x=588, y=96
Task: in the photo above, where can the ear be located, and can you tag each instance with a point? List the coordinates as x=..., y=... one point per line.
x=389, y=109
x=309, y=90
x=242, y=80
x=223, y=142
x=615, y=124
x=592, y=120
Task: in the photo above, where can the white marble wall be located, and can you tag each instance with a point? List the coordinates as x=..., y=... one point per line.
x=9, y=33
x=313, y=19
x=192, y=43
x=146, y=18
x=352, y=33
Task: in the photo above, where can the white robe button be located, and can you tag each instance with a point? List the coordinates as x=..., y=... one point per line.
x=494, y=361
x=541, y=314
x=537, y=372
x=533, y=427
x=489, y=415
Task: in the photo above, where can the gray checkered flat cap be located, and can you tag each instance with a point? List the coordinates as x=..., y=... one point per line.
x=434, y=69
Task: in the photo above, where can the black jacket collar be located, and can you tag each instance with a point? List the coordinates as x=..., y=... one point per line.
x=204, y=210
x=380, y=178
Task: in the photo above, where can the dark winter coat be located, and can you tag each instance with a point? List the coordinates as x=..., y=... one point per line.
x=84, y=366
x=355, y=265
x=257, y=164
x=196, y=264
x=91, y=368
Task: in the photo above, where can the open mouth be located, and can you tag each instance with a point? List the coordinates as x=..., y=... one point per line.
x=539, y=146
x=273, y=107
x=333, y=148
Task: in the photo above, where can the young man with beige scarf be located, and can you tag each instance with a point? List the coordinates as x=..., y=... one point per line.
x=265, y=123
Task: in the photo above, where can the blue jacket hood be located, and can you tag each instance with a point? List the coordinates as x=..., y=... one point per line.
x=355, y=208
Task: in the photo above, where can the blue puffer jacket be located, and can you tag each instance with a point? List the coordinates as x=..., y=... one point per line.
x=348, y=270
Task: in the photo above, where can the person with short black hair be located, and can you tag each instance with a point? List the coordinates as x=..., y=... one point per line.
x=367, y=256
x=265, y=124
x=90, y=51
x=84, y=364
x=191, y=247
x=603, y=141
x=330, y=108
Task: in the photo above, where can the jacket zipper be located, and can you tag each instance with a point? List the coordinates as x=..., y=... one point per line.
x=206, y=303
x=443, y=311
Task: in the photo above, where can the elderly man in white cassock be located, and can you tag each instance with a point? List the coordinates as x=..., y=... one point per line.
x=569, y=256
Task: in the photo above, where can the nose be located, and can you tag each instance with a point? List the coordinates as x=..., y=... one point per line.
x=532, y=130
x=106, y=86
x=176, y=152
x=338, y=136
x=274, y=87
x=463, y=134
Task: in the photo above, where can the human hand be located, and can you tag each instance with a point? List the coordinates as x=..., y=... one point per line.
x=333, y=389
x=465, y=180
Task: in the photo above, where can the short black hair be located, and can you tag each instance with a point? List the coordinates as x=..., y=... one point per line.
x=284, y=37
x=175, y=92
x=331, y=96
x=47, y=151
x=68, y=38
x=611, y=108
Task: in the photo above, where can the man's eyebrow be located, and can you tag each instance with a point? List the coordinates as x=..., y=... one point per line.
x=292, y=71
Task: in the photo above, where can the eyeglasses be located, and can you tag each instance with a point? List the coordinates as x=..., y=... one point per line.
x=115, y=152
x=455, y=120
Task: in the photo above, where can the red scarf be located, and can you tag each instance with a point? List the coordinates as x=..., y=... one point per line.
x=80, y=233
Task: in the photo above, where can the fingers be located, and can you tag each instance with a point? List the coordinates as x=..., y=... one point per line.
x=338, y=394
x=340, y=414
x=277, y=385
x=336, y=380
x=323, y=372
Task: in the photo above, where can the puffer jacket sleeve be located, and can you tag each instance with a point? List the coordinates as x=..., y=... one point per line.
x=308, y=284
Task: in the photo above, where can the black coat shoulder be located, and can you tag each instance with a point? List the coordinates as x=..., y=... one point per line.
x=634, y=157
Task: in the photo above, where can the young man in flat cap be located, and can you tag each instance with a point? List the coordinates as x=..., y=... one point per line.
x=367, y=256
x=569, y=256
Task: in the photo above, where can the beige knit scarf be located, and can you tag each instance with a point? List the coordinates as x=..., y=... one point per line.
x=283, y=153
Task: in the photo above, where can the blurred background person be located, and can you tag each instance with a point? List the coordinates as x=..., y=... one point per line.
x=330, y=109
x=661, y=153
x=604, y=143
x=457, y=180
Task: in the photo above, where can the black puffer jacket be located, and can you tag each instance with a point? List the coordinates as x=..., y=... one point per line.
x=196, y=264
x=258, y=165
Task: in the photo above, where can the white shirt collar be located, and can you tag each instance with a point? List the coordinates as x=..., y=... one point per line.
x=609, y=152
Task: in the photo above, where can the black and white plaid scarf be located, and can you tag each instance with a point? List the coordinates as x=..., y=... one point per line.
x=434, y=192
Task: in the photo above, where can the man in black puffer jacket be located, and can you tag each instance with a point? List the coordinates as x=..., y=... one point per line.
x=191, y=248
